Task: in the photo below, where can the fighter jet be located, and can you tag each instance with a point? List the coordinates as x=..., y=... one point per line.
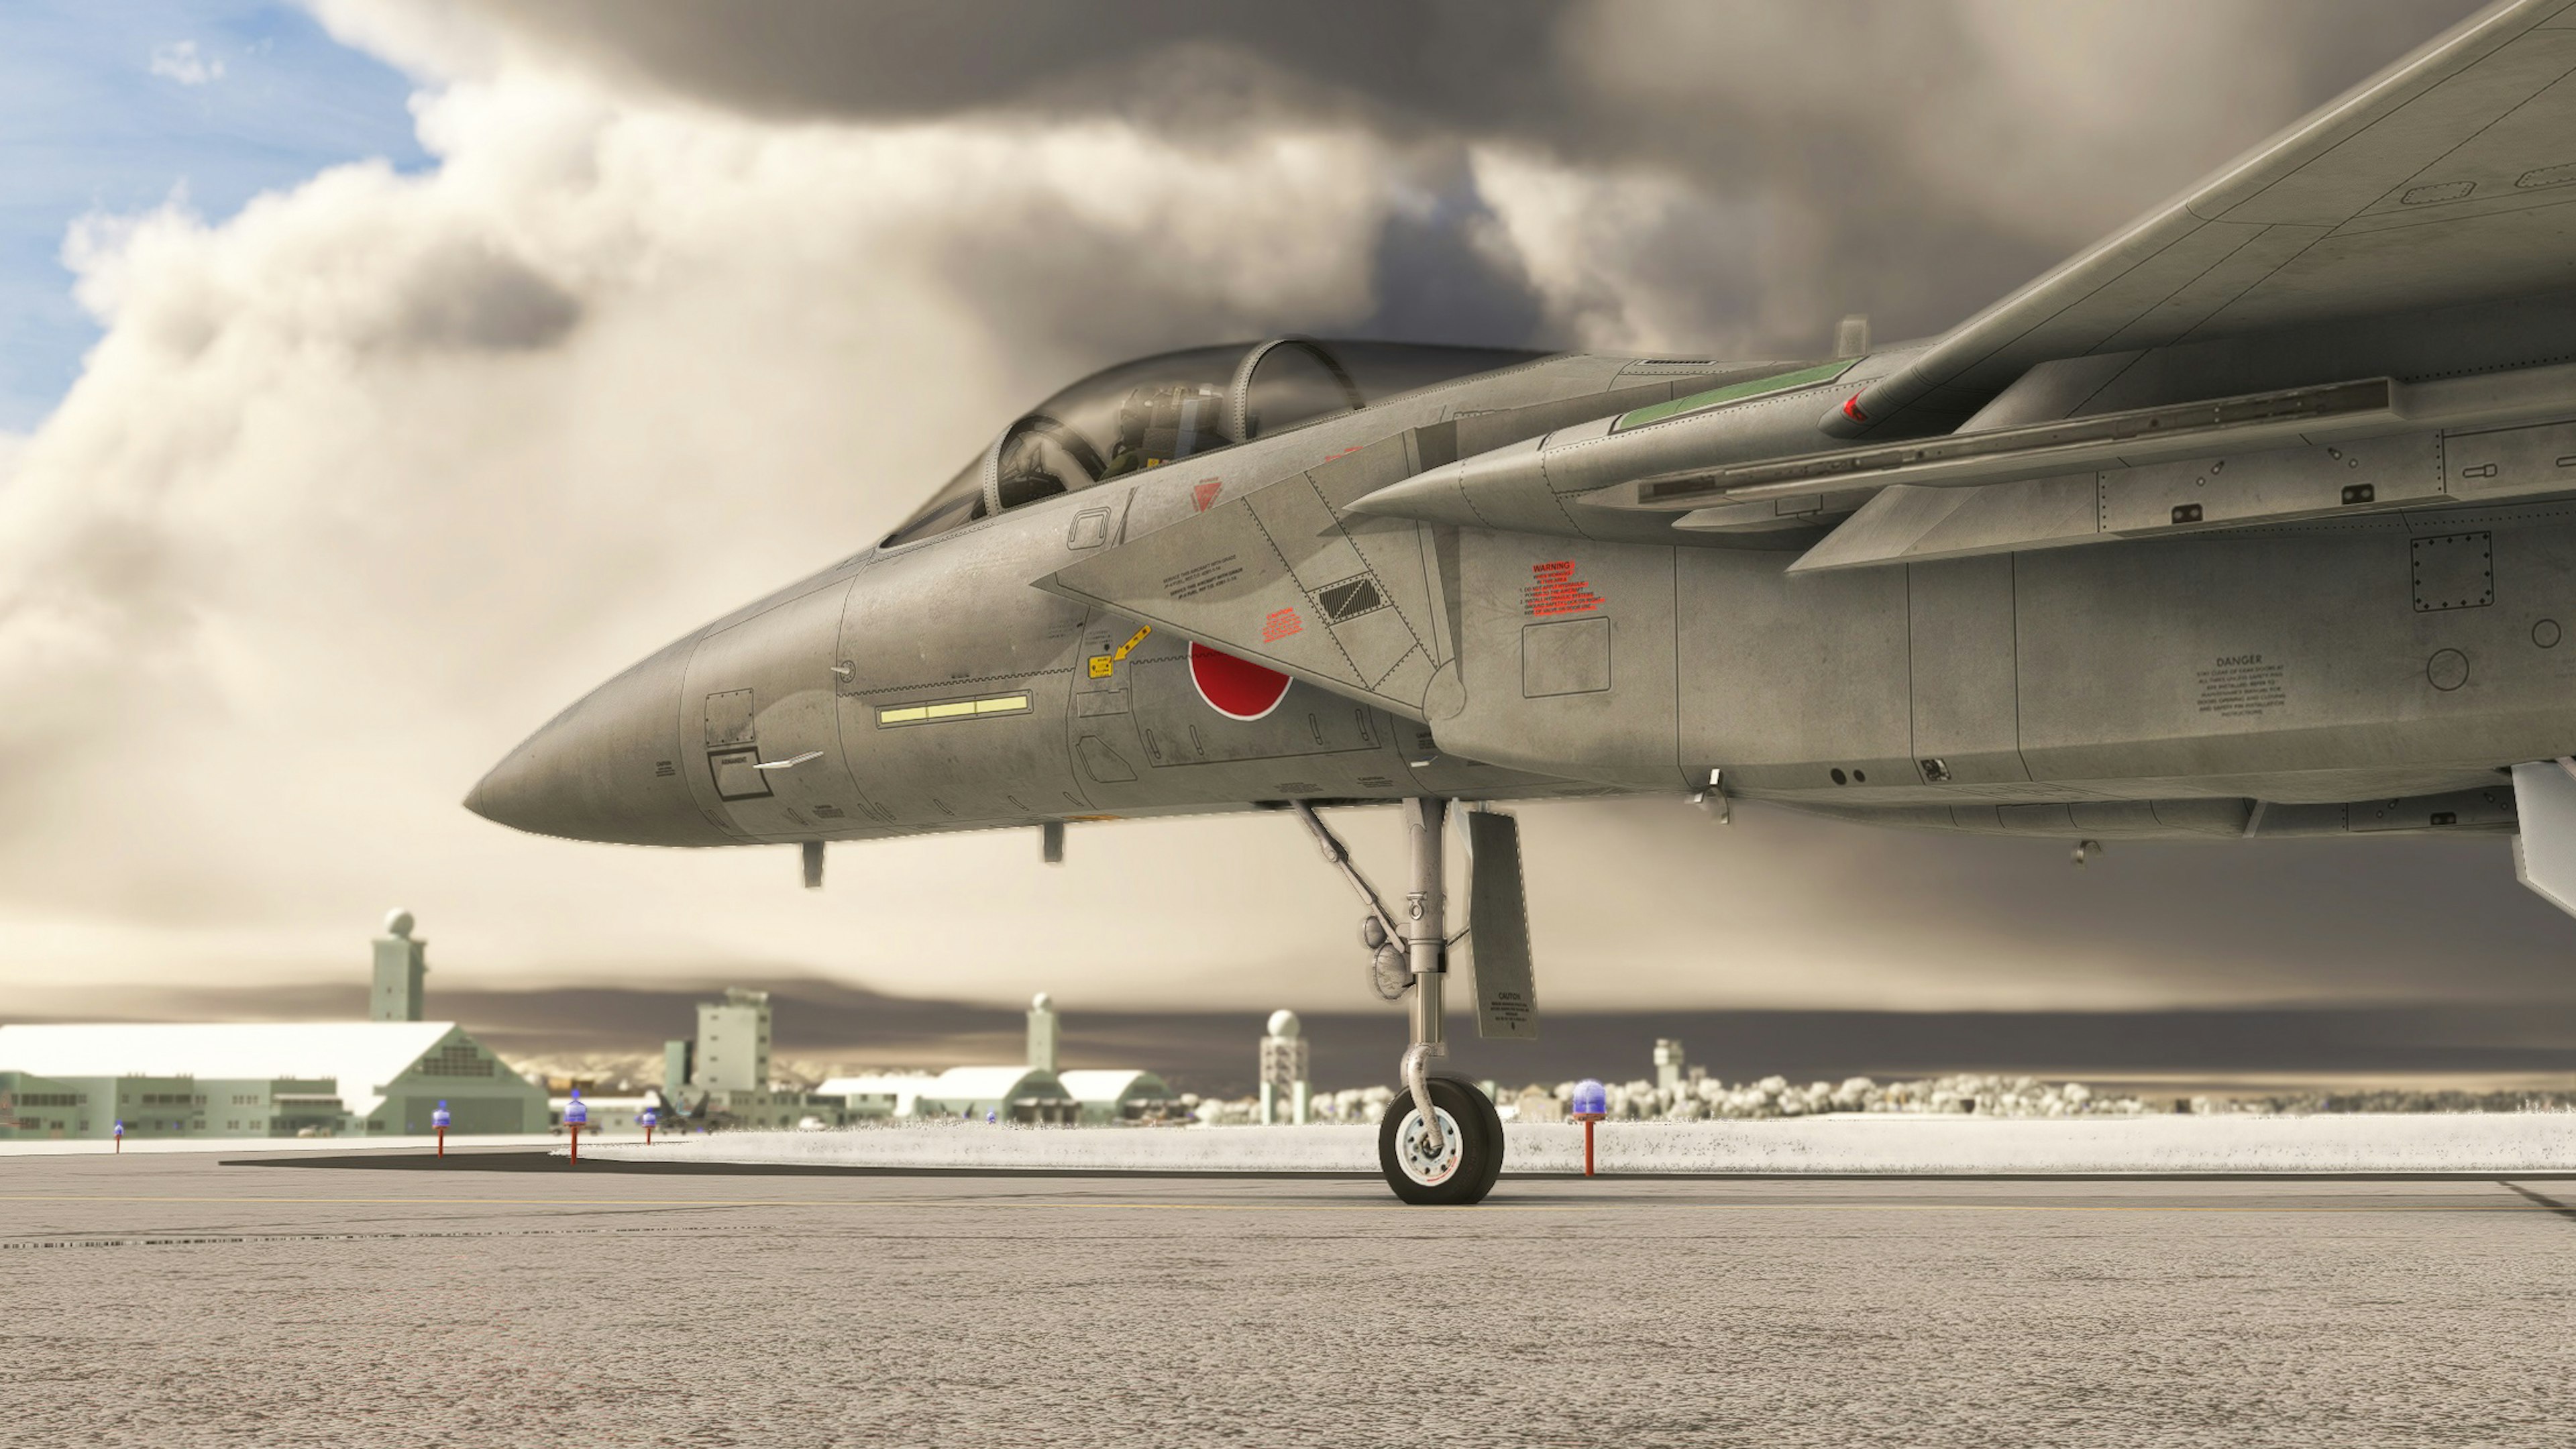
x=2255, y=520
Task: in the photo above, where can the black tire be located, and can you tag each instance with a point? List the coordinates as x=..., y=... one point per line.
x=1480, y=1146
x=1492, y=1118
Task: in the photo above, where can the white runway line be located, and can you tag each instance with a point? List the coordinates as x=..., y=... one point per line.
x=2502, y=1142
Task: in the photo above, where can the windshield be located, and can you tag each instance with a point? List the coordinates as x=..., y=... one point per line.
x=1158, y=410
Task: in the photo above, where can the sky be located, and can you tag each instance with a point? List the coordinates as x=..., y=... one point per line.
x=381, y=375
x=115, y=110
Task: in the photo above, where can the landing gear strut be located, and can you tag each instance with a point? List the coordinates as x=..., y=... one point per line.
x=1448, y=1152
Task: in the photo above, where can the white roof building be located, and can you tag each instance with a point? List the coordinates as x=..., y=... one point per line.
x=883, y=1094
x=1021, y=1093
x=369, y=1060
x=1115, y=1095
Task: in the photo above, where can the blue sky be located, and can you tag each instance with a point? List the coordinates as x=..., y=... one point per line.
x=86, y=124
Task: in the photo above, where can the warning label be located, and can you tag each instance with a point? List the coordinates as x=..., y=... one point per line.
x=1200, y=578
x=1204, y=492
x=1554, y=590
x=2241, y=686
x=1281, y=624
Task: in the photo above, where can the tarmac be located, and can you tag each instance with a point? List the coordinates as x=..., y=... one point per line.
x=312, y=1299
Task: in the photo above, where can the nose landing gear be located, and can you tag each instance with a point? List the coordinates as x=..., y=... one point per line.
x=1450, y=1153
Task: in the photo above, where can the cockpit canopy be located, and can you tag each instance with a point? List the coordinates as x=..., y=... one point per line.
x=1156, y=410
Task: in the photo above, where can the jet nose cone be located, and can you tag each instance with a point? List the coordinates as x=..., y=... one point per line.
x=511, y=792
x=606, y=769
x=483, y=799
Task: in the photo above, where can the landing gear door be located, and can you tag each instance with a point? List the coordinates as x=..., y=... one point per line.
x=2544, y=847
x=1498, y=929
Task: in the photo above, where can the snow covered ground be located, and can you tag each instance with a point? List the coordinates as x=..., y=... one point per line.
x=2499, y=1142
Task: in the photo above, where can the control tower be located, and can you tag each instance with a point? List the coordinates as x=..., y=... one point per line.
x=401, y=962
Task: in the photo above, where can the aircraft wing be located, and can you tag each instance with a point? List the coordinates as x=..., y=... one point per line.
x=2448, y=178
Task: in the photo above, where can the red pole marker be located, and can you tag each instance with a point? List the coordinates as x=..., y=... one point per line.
x=576, y=1117
x=438, y=1121
x=120, y=1136
x=649, y=1118
x=1591, y=1104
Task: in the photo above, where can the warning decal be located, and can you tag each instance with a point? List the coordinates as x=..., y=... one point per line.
x=1349, y=599
x=1554, y=590
x=1204, y=492
x=1235, y=688
x=1281, y=624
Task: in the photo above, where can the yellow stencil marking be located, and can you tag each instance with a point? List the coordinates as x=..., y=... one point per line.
x=1101, y=664
x=953, y=709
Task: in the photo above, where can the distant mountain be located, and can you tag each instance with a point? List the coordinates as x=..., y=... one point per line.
x=820, y=1021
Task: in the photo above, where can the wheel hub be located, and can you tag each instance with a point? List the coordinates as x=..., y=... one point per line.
x=1420, y=1163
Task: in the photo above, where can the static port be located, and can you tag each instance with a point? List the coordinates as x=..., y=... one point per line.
x=1838, y=774
x=2186, y=513
x=2360, y=493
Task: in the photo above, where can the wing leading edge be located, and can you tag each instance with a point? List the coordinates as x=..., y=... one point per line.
x=2448, y=178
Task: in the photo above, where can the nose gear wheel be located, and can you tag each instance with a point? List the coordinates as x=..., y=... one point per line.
x=1470, y=1156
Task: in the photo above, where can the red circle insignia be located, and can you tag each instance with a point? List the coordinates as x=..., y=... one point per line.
x=1235, y=688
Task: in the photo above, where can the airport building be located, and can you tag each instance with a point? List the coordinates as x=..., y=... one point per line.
x=721, y=1078
x=1118, y=1095
x=267, y=1079
x=1029, y=1092
x=256, y=1079
x=1005, y=1094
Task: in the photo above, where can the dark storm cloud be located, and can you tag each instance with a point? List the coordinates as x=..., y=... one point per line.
x=1448, y=63
x=1900, y=152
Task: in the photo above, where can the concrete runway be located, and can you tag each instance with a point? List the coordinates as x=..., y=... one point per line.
x=174, y=1300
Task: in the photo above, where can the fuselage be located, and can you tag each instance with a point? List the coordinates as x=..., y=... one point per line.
x=2339, y=675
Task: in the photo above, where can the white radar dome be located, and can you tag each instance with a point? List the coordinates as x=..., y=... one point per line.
x=1041, y=1002
x=1283, y=1023
x=398, y=922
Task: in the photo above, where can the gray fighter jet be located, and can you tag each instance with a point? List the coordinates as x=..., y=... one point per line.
x=2257, y=519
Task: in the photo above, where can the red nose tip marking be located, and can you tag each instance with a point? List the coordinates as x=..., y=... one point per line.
x=1851, y=409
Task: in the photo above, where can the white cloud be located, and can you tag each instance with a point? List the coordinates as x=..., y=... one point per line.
x=2051, y=120
x=1635, y=259
x=366, y=481
x=181, y=61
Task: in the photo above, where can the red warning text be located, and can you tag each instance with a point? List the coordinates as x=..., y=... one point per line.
x=1553, y=589
x=1281, y=624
